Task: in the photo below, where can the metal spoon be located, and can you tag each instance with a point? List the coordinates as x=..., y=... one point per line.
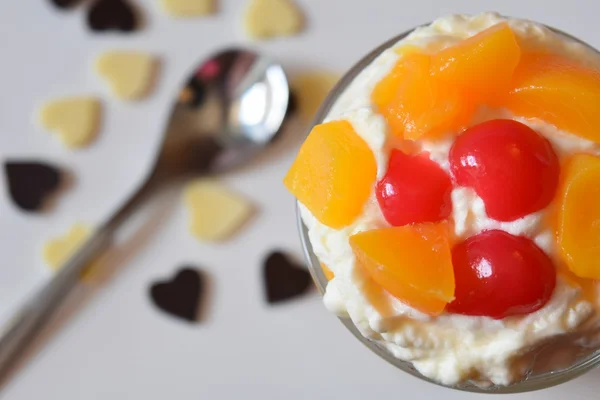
x=230, y=108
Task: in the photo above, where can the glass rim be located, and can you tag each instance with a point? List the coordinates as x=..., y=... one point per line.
x=530, y=383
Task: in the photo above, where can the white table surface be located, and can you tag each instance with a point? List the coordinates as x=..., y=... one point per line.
x=109, y=341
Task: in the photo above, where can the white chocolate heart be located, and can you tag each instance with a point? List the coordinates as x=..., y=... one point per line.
x=74, y=119
x=215, y=213
x=270, y=18
x=57, y=251
x=188, y=8
x=311, y=89
x=129, y=74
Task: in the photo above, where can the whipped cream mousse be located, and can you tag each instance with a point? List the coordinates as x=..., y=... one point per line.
x=491, y=256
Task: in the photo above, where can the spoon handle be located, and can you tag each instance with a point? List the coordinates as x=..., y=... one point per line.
x=33, y=315
x=28, y=321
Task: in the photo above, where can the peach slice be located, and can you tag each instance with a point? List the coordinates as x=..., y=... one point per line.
x=333, y=174
x=482, y=64
x=386, y=89
x=412, y=262
x=416, y=105
x=579, y=215
x=327, y=272
x=559, y=91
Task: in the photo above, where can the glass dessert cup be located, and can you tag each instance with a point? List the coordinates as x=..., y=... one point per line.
x=536, y=378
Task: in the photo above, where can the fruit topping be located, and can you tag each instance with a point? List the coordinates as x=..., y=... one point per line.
x=417, y=105
x=474, y=63
x=509, y=165
x=327, y=272
x=333, y=174
x=414, y=190
x=579, y=215
x=557, y=90
x=432, y=95
x=413, y=263
x=499, y=275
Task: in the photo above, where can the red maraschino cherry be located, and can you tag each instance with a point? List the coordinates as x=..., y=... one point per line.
x=510, y=166
x=414, y=190
x=498, y=275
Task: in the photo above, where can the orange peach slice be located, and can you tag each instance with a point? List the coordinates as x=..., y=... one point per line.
x=416, y=105
x=333, y=174
x=579, y=215
x=327, y=272
x=386, y=90
x=412, y=262
x=559, y=91
x=482, y=64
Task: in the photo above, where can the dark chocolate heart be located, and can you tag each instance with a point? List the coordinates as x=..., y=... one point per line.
x=284, y=280
x=181, y=296
x=112, y=14
x=65, y=3
x=30, y=183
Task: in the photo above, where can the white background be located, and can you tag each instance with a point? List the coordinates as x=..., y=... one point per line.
x=109, y=341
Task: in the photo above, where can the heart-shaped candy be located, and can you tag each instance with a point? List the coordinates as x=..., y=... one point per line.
x=130, y=75
x=269, y=18
x=188, y=8
x=180, y=296
x=74, y=119
x=58, y=250
x=283, y=279
x=310, y=89
x=215, y=212
x=65, y=3
x=112, y=14
x=31, y=183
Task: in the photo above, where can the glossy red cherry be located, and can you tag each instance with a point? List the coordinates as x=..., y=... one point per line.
x=413, y=190
x=498, y=275
x=510, y=166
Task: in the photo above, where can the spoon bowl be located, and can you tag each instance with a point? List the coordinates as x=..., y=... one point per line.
x=231, y=107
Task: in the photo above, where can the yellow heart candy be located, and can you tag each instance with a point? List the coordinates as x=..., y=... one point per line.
x=130, y=75
x=270, y=18
x=311, y=89
x=57, y=251
x=188, y=8
x=74, y=119
x=215, y=213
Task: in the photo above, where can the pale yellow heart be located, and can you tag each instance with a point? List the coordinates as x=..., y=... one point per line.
x=129, y=74
x=215, y=212
x=269, y=18
x=74, y=119
x=188, y=8
x=57, y=251
x=310, y=90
